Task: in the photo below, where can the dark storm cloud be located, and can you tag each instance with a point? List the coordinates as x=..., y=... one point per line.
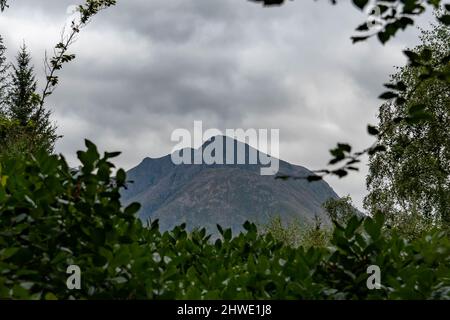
x=145, y=68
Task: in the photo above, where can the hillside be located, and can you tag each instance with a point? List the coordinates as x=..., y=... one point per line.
x=205, y=195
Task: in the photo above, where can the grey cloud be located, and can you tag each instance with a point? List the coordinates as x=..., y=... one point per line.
x=144, y=68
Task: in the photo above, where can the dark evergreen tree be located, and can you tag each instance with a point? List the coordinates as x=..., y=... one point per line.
x=22, y=104
x=3, y=76
x=33, y=129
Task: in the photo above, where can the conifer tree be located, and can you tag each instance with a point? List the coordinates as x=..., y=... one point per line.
x=23, y=88
x=3, y=76
x=35, y=127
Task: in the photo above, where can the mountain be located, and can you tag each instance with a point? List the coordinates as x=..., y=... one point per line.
x=205, y=195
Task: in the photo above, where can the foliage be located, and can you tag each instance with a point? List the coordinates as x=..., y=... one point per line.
x=413, y=175
x=3, y=5
x=392, y=16
x=17, y=139
x=412, y=225
x=340, y=210
x=3, y=75
x=25, y=114
x=21, y=96
x=296, y=234
x=289, y=234
x=406, y=267
x=21, y=129
x=61, y=56
x=52, y=216
x=389, y=16
x=316, y=235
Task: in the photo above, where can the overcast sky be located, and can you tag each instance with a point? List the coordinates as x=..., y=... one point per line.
x=145, y=68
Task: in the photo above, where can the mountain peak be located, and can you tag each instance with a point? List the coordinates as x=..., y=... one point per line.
x=203, y=195
x=226, y=150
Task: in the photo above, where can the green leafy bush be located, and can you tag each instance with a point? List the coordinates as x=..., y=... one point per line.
x=17, y=139
x=52, y=216
x=296, y=233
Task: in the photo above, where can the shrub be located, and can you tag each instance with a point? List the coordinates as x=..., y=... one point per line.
x=52, y=216
x=297, y=234
x=17, y=139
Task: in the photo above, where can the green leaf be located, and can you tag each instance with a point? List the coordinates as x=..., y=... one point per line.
x=314, y=178
x=8, y=253
x=363, y=27
x=445, y=19
x=227, y=235
x=400, y=101
x=119, y=280
x=121, y=176
x=403, y=22
x=446, y=59
x=132, y=208
x=418, y=113
x=372, y=130
x=220, y=229
x=340, y=173
x=345, y=147
x=218, y=244
x=417, y=108
x=388, y=95
x=372, y=229
x=413, y=57
x=426, y=54
x=356, y=39
x=383, y=36
x=352, y=225
x=400, y=86
x=90, y=145
x=360, y=3
x=376, y=149
x=50, y=296
x=336, y=160
x=109, y=155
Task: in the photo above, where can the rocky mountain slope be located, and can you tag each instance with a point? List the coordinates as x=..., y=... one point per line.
x=205, y=195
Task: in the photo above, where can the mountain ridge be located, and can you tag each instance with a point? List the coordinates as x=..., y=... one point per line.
x=203, y=195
